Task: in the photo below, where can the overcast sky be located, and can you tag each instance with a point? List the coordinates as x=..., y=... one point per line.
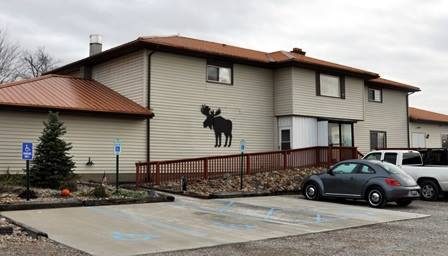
x=406, y=41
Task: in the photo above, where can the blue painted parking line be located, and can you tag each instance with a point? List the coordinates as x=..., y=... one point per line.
x=237, y=226
x=119, y=236
x=270, y=213
x=226, y=207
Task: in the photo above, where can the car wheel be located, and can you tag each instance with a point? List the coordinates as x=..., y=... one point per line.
x=376, y=197
x=429, y=191
x=311, y=191
x=404, y=202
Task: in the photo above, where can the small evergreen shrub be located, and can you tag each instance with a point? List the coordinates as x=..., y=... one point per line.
x=52, y=163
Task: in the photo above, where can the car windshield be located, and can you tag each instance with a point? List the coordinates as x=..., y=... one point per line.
x=391, y=168
x=412, y=158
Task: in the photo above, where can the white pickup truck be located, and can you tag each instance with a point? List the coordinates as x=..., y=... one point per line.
x=433, y=180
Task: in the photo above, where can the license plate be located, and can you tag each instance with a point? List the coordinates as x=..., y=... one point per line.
x=413, y=193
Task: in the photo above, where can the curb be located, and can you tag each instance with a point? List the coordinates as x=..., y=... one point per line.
x=80, y=203
x=34, y=233
x=235, y=194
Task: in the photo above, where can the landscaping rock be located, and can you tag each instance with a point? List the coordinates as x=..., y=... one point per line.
x=262, y=183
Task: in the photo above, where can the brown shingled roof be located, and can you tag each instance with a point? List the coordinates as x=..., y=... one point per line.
x=58, y=92
x=416, y=114
x=202, y=48
x=393, y=85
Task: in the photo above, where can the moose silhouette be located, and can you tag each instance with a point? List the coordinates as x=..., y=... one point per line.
x=219, y=124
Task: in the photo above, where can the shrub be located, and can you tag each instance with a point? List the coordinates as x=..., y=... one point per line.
x=99, y=192
x=52, y=163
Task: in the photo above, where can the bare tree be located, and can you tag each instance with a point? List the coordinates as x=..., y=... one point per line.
x=36, y=62
x=9, y=60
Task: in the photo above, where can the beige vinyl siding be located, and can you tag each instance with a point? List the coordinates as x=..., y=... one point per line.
x=125, y=75
x=389, y=116
x=434, y=131
x=91, y=136
x=178, y=89
x=283, y=91
x=306, y=103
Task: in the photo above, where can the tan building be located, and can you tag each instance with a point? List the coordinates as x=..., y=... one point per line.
x=428, y=129
x=208, y=96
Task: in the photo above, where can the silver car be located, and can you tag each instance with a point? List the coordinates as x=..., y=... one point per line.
x=374, y=181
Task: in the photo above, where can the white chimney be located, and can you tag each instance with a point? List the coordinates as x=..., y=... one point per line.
x=96, y=44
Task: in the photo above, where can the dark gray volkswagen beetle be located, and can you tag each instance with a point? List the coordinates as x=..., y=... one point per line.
x=374, y=181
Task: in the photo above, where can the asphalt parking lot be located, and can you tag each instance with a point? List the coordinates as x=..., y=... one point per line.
x=191, y=223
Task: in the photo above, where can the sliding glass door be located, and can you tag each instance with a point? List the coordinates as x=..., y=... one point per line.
x=340, y=134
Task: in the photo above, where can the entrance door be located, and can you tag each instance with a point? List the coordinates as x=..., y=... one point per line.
x=418, y=140
x=285, y=139
x=444, y=140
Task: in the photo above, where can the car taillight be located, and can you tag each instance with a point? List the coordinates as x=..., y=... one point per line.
x=392, y=182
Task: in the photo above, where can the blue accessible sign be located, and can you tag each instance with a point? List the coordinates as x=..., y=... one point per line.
x=242, y=145
x=117, y=147
x=27, y=150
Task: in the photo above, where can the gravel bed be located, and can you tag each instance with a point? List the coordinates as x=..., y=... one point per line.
x=20, y=243
x=274, y=181
x=426, y=236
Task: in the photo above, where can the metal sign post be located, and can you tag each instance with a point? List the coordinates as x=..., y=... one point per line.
x=117, y=152
x=27, y=155
x=242, y=150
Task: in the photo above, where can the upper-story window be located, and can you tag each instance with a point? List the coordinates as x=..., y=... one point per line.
x=218, y=72
x=330, y=85
x=375, y=95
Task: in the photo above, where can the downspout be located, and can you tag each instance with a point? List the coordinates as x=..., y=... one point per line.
x=148, y=122
x=407, y=118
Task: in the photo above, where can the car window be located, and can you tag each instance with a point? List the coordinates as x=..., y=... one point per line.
x=364, y=169
x=373, y=156
x=411, y=158
x=390, y=158
x=345, y=168
x=392, y=168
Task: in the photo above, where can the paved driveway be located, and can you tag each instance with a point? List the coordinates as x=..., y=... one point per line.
x=193, y=223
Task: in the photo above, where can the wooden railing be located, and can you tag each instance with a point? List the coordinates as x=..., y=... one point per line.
x=216, y=166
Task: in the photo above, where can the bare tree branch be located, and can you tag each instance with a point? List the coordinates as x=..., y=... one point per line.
x=36, y=63
x=9, y=53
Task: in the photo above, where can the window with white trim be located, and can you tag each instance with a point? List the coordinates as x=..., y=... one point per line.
x=375, y=95
x=219, y=73
x=330, y=86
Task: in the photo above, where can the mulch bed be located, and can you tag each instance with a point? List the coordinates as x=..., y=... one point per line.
x=264, y=183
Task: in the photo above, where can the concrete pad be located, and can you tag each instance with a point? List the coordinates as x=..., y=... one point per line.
x=192, y=223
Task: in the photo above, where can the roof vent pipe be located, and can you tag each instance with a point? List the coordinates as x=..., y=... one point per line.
x=96, y=44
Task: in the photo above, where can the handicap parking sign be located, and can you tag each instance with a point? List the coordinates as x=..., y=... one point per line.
x=27, y=150
x=117, y=147
x=242, y=145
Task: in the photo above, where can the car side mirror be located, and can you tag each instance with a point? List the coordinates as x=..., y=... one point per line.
x=330, y=171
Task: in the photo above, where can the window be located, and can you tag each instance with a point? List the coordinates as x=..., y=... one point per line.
x=330, y=85
x=412, y=158
x=375, y=95
x=390, y=158
x=286, y=139
x=346, y=168
x=373, y=156
x=340, y=134
x=219, y=72
x=378, y=140
x=366, y=170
